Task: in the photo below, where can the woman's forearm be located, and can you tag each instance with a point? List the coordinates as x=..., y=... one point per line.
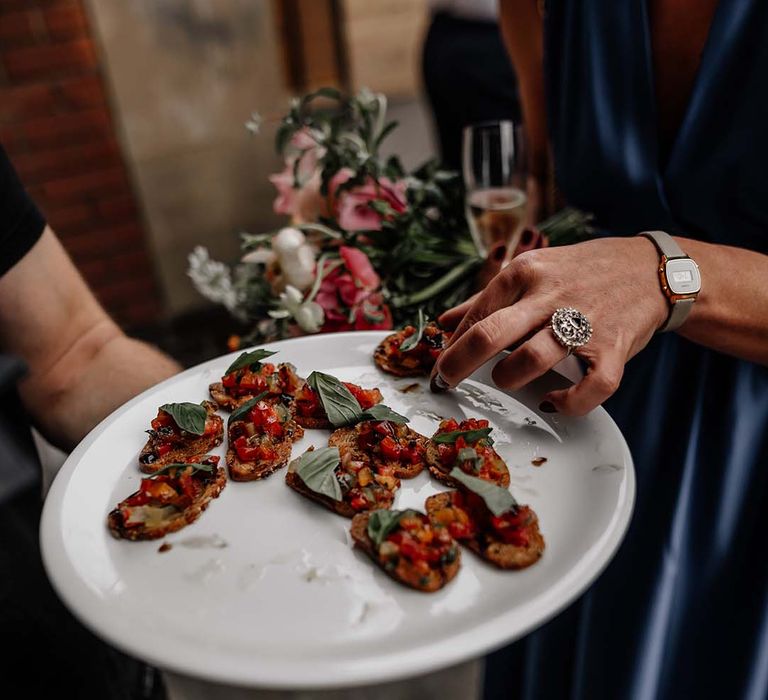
x=731, y=312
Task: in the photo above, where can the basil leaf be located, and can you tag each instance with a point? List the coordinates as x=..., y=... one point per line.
x=188, y=416
x=183, y=465
x=498, y=500
x=241, y=412
x=471, y=436
x=250, y=359
x=382, y=412
x=381, y=523
x=468, y=453
x=341, y=407
x=413, y=340
x=317, y=469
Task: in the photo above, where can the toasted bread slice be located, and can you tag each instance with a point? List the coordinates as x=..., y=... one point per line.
x=251, y=470
x=485, y=542
x=428, y=579
x=282, y=382
x=383, y=495
x=347, y=440
x=492, y=468
x=413, y=363
x=151, y=521
x=185, y=446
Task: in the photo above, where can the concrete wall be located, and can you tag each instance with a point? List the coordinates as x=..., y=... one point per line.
x=184, y=76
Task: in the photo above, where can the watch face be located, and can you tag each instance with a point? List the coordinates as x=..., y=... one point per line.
x=683, y=276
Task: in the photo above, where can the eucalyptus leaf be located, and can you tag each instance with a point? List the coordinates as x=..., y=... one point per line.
x=183, y=465
x=317, y=469
x=498, y=500
x=188, y=416
x=341, y=407
x=381, y=523
x=382, y=412
x=471, y=436
x=413, y=340
x=250, y=359
x=241, y=412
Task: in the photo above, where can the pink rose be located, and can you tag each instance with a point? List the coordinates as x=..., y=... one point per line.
x=350, y=297
x=357, y=262
x=354, y=211
x=303, y=203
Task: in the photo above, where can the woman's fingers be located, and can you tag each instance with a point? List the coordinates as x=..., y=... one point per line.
x=601, y=381
x=532, y=359
x=484, y=339
x=451, y=318
x=503, y=291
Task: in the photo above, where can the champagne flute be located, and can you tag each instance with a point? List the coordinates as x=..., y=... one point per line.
x=494, y=178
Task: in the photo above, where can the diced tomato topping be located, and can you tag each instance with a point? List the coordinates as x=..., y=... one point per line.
x=447, y=453
x=162, y=420
x=248, y=453
x=389, y=448
x=365, y=397
x=264, y=416
x=163, y=449
x=461, y=531
x=384, y=427
x=511, y=526
x=359, y=502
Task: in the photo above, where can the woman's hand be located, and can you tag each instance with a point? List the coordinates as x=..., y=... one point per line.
x=612, y=281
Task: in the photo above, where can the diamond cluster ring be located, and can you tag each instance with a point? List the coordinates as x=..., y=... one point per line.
x=571, y=328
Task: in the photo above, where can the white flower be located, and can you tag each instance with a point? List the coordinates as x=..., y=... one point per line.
x=296, y=258
x=260, y=255
x=213, y=279
x=308, y=314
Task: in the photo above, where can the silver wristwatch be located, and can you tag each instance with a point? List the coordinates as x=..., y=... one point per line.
x=679, y=276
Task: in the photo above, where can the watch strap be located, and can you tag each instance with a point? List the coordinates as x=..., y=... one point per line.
x=665, y=244
x=679, y=309
x=677, y=314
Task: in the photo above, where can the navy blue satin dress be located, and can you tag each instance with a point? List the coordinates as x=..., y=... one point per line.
x=682, y=610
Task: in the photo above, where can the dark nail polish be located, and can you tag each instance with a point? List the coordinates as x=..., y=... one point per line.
x=547, y=407
x=438, y=384
x=499, y=253
x=527, y=237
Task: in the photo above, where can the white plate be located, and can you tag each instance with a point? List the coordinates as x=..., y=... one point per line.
x=287, y=602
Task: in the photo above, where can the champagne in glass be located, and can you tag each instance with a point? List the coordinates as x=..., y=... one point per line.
x=495, y=184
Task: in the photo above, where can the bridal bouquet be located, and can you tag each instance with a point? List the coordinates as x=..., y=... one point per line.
x=366, y=243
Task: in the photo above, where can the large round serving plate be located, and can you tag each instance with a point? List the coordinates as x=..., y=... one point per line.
x=265, y=588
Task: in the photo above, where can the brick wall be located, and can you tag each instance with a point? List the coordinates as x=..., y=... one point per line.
x=56, y=125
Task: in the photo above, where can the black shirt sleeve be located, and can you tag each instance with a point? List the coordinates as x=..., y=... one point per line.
x=21, y=223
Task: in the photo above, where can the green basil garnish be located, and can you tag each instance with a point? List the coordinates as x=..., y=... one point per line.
x=467, y=454
x=381, y=523
x=188, y=416
x=341, y=407
x=183, y=465
x=498, y=500
x=471, y=436
x=241, y=412
x=382, y=412
x=413, y=340
x=317, y=469
x=250, y=359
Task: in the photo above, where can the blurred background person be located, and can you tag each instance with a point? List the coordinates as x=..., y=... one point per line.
x=467, y=73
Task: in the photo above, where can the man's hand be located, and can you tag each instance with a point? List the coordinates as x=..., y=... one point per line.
x=81, y=365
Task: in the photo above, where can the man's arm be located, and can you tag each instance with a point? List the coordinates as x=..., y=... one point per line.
x=81, y=365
